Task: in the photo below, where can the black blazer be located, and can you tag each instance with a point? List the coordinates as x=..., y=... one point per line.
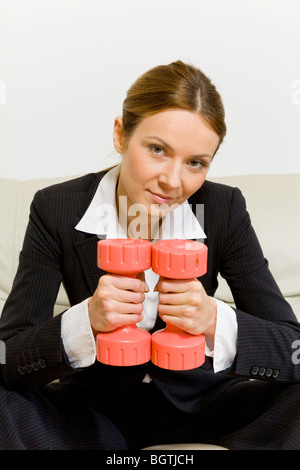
x=54, y=252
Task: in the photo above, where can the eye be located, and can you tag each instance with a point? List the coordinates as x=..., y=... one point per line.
x=196, y=164
x=157, y=149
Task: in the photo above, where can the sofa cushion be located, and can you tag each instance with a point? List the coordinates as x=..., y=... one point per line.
x=273, y=202
x=16, y=197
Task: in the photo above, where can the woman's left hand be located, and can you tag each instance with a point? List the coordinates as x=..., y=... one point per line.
x=185, y=304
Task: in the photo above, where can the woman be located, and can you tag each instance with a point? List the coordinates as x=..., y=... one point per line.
x=171, y=128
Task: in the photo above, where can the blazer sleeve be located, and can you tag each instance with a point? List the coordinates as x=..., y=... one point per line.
x=32, y=336
x=267, y=326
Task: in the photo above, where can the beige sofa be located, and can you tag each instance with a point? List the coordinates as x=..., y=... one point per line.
x=272, y=200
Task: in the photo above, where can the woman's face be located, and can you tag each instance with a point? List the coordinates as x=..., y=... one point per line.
x=165, y=160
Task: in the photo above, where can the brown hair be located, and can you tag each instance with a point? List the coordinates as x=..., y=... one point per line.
x=177, y=85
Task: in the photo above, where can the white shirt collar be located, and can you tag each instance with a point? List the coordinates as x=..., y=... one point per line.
x=101, y=217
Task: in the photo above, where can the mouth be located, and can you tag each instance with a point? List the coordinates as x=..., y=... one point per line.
x=162, y=199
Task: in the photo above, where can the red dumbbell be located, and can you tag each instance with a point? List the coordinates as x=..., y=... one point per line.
x=127, y=345
x=173, y=348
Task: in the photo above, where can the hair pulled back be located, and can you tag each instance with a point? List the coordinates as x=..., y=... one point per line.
x=174, y=86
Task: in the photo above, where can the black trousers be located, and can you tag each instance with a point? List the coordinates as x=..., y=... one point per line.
x=249, y=415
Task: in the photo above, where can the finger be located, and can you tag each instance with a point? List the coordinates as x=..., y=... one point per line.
x=142, y=278
x=186, y=324
x=176, y=310
x=180, y=298
x=122, y=308
x=127, y=296
x=130, y=319
x=174, y=285
x=116, y=320
x=125, y=283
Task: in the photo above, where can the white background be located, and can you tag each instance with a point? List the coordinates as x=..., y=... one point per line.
x=65, y=67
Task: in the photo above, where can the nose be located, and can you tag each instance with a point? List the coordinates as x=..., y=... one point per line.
x=171, y=176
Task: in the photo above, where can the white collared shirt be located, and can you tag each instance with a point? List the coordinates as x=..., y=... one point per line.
x=101, y=219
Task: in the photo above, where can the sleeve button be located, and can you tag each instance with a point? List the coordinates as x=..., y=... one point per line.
x=42, y=363
x=27, y=368
x=269, y=372
x=262, y=371
x=34, y=366
x=254, y=370
x=21, y=370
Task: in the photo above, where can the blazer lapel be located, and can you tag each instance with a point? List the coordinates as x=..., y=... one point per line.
x=86, y=244
x=86, y=250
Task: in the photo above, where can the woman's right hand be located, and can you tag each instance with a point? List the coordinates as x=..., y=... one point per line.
x=117, y=301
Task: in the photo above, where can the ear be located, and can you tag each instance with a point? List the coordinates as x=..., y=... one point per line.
x=118, y=134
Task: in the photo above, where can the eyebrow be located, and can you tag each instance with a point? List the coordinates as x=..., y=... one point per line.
x=171, y=148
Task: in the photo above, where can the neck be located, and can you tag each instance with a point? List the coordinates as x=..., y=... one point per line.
x=135, y=222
